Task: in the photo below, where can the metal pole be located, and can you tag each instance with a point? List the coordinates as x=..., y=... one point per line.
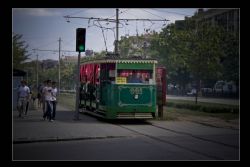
x=27, y=76
x=37, y=70
x=77, y=88
x=59, y=72
x=117, y=35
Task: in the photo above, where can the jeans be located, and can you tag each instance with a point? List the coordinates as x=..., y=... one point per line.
x=21, y=105
x=27, y=107
x=54, y=109
x=49, y=110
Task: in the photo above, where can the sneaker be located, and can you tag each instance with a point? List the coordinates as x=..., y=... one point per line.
x=51, y=120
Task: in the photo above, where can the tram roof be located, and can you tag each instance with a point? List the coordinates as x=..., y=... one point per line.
x=125, y=61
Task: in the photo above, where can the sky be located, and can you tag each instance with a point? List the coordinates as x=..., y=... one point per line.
x=41, y=28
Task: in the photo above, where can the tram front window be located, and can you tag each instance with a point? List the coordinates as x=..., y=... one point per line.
x=134, y=76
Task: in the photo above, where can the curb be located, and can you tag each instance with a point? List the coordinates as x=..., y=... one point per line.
x=63, y=139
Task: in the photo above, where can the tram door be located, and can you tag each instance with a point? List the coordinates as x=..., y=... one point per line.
x=161, y=89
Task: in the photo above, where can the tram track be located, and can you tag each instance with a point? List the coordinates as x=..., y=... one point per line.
x=178, y=145
x=197, y=137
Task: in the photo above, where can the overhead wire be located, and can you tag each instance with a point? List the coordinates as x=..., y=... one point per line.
x=96, y=22
x=103, y=37
x=81, y=10
x=119, y=13
x=172, y=12
x=153, y=14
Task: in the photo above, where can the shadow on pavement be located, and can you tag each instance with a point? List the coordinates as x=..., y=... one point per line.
x=61, y=116
x=67, y=116
x=126, y=121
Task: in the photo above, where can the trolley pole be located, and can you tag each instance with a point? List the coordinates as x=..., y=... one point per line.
x=117, y=35
x=77, y=88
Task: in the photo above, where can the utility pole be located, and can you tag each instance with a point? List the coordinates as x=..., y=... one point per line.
x=59, y=73
x=117, y=35
x=77, y=88
x=37, y=70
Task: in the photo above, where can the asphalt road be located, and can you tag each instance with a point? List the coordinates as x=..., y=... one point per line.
x=94, y=139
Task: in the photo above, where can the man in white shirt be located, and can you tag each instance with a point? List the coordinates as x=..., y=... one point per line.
x=23, y=95
x=47, y=91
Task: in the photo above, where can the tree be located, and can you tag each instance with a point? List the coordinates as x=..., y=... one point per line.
x=124, y=46
x=167, y=48
x=68, y=76
x=202, y=50
x=190, y=50
x=20, y=53
x=230, y=59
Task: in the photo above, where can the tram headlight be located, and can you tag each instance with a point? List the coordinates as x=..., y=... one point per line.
x=136, y=97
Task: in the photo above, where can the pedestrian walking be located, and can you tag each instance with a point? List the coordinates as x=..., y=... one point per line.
x=28, y=102
x=33, y=97
x=22, y=96
x=54, y=100
x=47, y=91
x=39, y=96
x=43, y=96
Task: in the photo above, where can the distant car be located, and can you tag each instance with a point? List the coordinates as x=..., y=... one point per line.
x=225, y=87
x=207, y=90
x=192, y=92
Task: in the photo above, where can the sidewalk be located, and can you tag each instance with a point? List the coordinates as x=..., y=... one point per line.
x=32, y=128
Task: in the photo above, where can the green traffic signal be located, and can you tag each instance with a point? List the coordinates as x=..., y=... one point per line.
x=81, y=48
x=80, y=39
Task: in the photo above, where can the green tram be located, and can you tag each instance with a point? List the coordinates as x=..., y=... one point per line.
x=119, y=88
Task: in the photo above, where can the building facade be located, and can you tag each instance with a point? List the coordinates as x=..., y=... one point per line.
x=229, y=19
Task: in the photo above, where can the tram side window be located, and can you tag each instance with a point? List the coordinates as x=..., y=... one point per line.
x=134, y=76
x=107, y=72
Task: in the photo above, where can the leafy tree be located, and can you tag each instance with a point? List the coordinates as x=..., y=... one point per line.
x=193, y=50
x=20, y=53
x=230, y=59
x=199, y=49
x=167, y=48
x=68, y=76
x=124, y=46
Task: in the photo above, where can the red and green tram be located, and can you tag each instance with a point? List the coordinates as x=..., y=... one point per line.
x=119, y=88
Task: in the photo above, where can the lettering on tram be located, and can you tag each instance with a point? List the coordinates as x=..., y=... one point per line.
x=119, y=88
x=136, y=91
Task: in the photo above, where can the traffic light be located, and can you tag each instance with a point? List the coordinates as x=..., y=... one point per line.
x=80, y=39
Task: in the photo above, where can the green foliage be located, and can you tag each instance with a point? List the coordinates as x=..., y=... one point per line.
x=68, y=76
x=45, y=74
x=230, y=59
x=20, y=53
x=196, y=50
